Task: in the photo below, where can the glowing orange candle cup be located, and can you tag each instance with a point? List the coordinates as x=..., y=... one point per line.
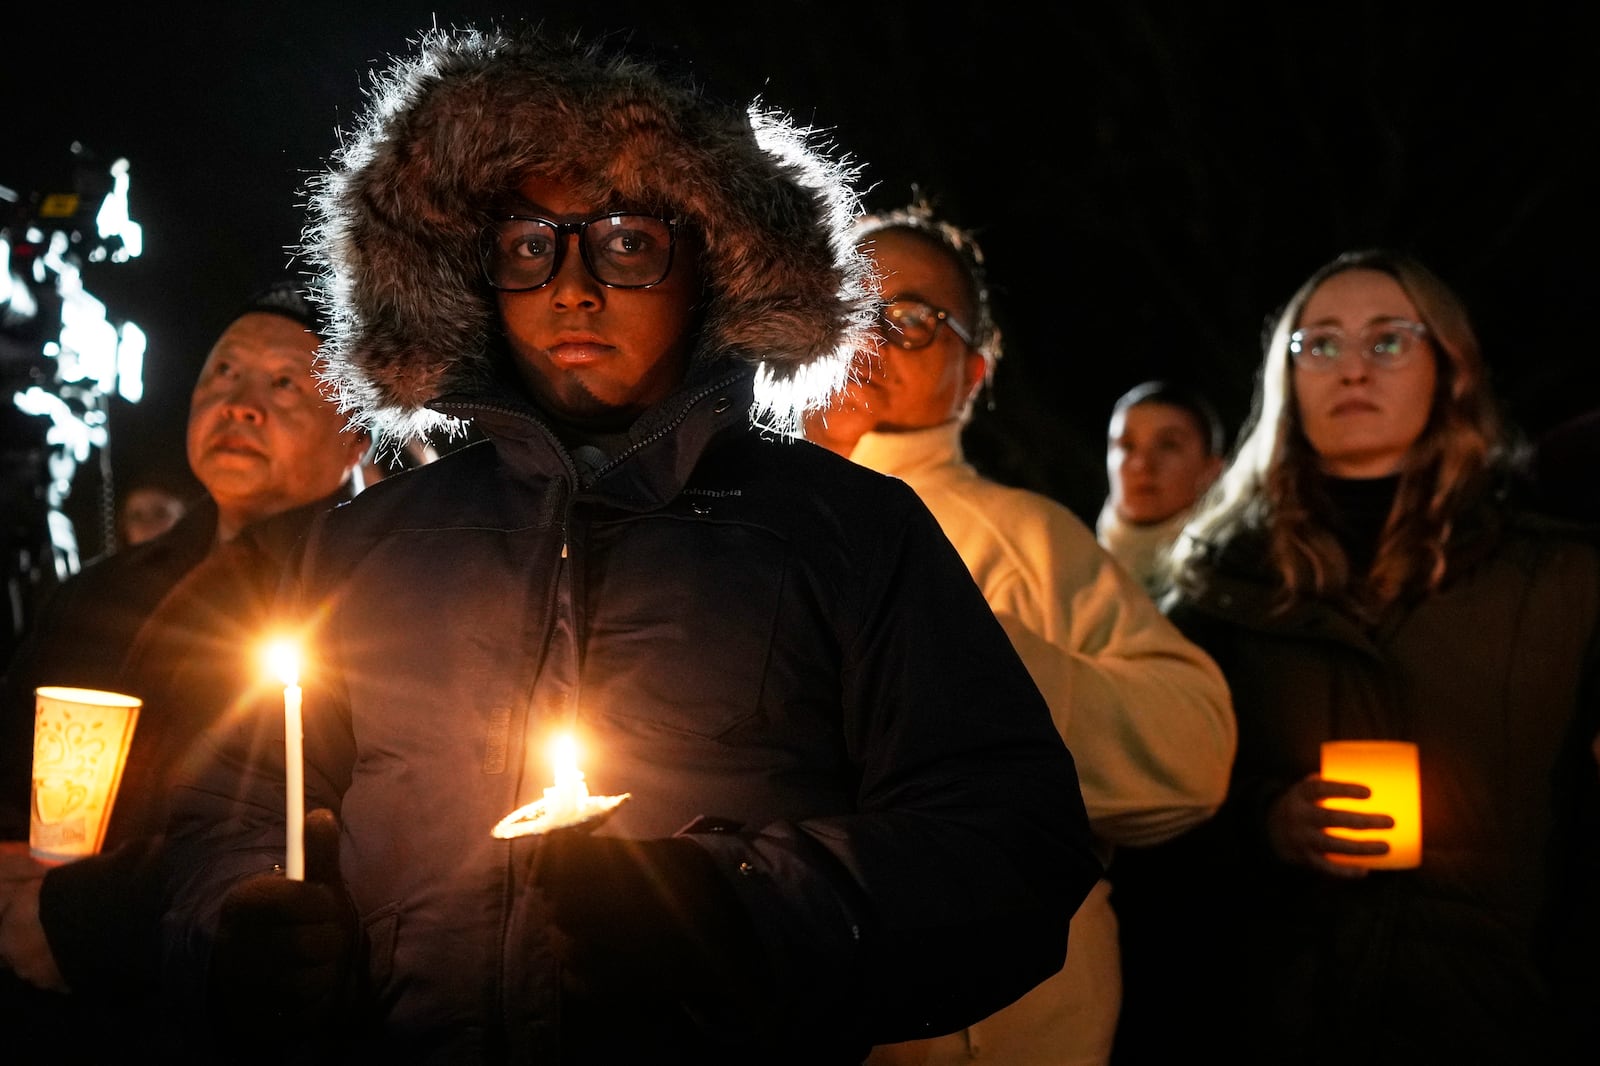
x=1390, y=769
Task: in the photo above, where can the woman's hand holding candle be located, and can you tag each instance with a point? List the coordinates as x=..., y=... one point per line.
x=1298, y=824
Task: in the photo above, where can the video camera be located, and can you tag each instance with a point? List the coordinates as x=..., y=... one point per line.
x=61, y=359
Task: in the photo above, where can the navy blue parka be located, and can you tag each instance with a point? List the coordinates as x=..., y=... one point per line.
x=750, y=634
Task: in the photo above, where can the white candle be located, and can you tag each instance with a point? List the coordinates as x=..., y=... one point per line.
x=568, y=795
x=287, y=665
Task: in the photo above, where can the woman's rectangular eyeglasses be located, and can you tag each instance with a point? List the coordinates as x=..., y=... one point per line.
x=1387, y=344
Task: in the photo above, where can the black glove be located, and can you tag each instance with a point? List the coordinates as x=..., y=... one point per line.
x=637, y=914
x=286, y=957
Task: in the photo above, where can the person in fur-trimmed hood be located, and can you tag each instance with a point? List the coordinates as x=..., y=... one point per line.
x=398, y=222
x=848, y=816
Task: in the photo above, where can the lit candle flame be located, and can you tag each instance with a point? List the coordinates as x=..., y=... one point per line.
x=564, y=758
x=284, y=661
x=569, y=795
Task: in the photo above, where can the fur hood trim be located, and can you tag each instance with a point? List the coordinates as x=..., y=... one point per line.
x=394, y=224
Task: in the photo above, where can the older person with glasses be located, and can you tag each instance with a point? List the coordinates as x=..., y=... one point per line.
x=1145, y=713
x=1360, y=572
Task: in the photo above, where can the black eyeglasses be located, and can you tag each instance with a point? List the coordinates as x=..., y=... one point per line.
x=621, y=251
x=1387, y=344
x=912, y=324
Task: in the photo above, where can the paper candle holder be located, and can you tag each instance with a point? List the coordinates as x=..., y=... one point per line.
x=539, y=817
x=81, y=738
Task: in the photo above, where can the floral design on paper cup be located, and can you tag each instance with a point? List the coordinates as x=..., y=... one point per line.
x=80, y=741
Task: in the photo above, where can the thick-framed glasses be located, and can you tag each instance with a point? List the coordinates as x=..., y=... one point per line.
x=912, y=324
x=621, y=251
x=1388, y=344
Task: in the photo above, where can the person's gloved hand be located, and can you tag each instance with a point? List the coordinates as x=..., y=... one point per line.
x=285, y=962
x=644, y=912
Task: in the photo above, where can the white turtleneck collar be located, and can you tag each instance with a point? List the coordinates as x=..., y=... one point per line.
x=1141, y=549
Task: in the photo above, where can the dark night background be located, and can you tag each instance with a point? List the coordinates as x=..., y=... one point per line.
x=1149, y=180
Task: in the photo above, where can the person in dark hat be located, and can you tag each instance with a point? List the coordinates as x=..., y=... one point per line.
x=166, y=621
x=851, y=816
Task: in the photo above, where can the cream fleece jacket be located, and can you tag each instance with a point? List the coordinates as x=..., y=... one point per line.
x=1146, y=714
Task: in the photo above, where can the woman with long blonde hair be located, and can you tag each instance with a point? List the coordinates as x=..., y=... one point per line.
x=1274, y=477
x=1360, y=571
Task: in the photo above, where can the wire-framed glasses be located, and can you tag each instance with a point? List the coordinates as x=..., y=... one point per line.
x=912, y=324
x=620, y=250
x=1387, y=344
